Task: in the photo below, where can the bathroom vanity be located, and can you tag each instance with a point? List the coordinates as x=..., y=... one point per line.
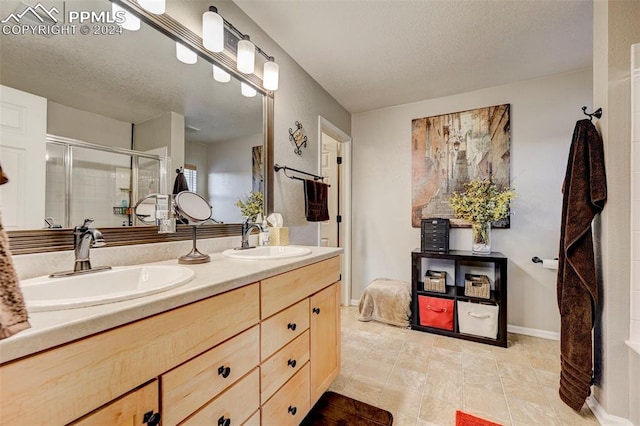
x=245, y=342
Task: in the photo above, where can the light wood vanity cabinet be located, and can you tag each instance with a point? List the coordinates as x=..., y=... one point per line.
x=291, y=303
x=259, y=354
x=324, y=340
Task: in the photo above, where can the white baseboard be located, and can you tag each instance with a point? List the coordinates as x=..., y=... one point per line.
x=534, y=332
x=604, y=418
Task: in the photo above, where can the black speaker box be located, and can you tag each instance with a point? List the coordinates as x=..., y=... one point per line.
x=435, y=234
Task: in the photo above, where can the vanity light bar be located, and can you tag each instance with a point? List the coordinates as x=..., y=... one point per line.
x=185, y=55
x=213, y=39
x=195, y=43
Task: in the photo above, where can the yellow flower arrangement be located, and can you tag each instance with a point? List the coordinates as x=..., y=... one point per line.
x=481, y=202
x=252, y=206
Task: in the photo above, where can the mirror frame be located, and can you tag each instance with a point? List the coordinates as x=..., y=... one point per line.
x=48, y=240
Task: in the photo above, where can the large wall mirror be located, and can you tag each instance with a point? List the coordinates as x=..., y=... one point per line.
x=128, y=91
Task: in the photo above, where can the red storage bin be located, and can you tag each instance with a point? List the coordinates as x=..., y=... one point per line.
x=436, y=312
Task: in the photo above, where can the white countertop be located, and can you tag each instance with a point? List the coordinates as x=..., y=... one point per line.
x=49, y=329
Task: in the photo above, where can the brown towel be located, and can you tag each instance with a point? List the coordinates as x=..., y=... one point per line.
x=584, y=195
x=180, y=184
x=316, y=201
x=13, y=314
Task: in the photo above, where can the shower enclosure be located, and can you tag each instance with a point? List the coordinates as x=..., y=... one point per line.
x=85, y=180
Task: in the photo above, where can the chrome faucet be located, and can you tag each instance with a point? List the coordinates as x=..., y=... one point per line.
x=83, y=239
x=246, y=230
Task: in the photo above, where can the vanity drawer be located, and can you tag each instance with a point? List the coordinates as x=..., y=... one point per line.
x=291, y=403
x=189, y=386
x=282, y=365
x=281, y=328
x=237, y=404
x=126, y=409
x=285, y=289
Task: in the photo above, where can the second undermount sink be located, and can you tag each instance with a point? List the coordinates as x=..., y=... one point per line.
x=120, y=283
x=267, y=252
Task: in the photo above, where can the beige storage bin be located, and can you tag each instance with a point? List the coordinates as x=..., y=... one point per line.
x=435, y=281
x=478, y=319
x=477, y=286
x=279, y=236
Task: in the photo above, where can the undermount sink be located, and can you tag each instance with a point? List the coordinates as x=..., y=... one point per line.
x=98, y=288
x=267, y=252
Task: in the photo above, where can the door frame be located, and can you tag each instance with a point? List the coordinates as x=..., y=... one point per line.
x=325, y=126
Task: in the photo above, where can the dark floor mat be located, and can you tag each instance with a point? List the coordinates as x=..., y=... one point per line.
x=340, y=410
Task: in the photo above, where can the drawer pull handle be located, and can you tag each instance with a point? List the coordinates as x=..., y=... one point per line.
x=151, y=419
x=316, y=311
x=292, y=410
x=224, y=422
x=291, y=326
x=224, y=371
x=292, y=363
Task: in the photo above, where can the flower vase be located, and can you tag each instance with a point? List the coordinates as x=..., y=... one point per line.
x=481, y=238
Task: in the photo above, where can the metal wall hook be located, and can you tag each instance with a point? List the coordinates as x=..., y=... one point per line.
x=597, y=113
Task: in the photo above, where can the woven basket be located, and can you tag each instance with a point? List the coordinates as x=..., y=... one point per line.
x=435, y=281
x=477, y=286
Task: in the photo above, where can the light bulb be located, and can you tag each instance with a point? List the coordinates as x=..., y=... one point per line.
x=213, y=30
x=129, y=20
x=247, y=90
x=153, y=6
x=221, y=75
x=270, y=74
x=246, y=55
x=185, y=55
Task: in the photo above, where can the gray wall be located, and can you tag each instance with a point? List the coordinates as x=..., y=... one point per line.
x=87, y=126
x=543, y=115
x=229, y=174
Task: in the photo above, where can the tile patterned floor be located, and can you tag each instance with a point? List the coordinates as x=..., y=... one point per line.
x=422, y=378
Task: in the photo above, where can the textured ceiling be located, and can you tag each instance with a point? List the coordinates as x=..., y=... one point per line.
x=371, y=54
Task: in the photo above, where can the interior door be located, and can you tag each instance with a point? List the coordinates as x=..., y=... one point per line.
x=329, y=230
x=23, y=129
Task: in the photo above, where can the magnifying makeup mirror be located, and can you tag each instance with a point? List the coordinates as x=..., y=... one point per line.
x=188, y=206
x=196, y=210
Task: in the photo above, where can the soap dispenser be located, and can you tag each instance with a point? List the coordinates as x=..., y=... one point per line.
x=264, y=233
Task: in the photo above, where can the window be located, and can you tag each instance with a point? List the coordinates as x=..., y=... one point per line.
x=191, y=174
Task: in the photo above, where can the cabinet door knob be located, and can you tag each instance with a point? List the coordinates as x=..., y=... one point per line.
x=291, y=326
x=224, y=371
x=151, y=419
x=222, y=421
x=316, y=311
x=292, y=363
x=292, y=410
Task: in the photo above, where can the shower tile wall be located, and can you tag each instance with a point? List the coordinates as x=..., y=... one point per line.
x=94, y=187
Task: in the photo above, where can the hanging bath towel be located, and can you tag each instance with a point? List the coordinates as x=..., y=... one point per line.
x=180, y=184
x=316, y=201
x=584, y=195
x=13, y=314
